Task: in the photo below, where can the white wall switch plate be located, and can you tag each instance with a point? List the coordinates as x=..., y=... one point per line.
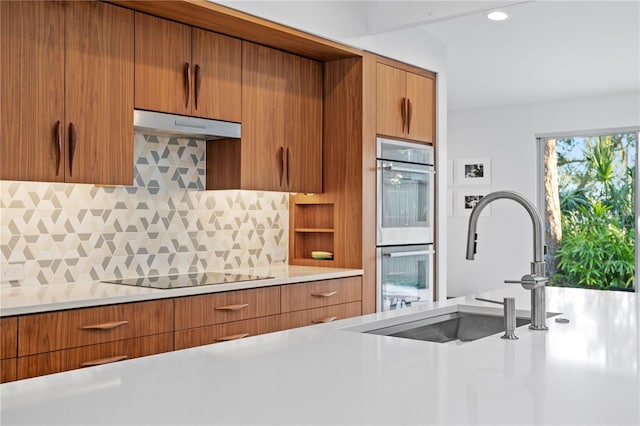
x=11, y=272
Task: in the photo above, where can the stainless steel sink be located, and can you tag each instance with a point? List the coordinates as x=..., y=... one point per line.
x=455, y=327
x=455, y=324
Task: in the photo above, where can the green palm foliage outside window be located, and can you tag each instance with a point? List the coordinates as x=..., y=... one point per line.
x=596, y=197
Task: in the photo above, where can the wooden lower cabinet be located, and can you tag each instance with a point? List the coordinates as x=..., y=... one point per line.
x=8, y=370
x=316, y=294
x=87, y=356
x=46, y=343
x=218, y=308
x=52, y=331
x=227, y=331
x=320, y=315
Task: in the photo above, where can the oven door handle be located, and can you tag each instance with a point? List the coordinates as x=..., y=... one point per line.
x=391, y=167
x=409, y=253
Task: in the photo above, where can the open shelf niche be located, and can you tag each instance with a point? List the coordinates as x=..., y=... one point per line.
x=312, y=224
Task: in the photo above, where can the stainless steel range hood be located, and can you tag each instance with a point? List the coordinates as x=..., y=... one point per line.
x=158, y=123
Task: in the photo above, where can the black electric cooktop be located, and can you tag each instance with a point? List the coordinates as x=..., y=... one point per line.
x=187, y=280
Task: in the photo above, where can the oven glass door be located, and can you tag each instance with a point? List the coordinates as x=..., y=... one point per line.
x=405, y=203
x=405, y=276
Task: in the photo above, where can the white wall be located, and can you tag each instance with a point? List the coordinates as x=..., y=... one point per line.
x=507, y=136
x=330, y=19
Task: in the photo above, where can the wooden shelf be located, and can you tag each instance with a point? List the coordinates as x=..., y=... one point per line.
x=312, y=223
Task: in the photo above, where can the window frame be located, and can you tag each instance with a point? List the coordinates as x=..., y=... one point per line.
x=540, y=145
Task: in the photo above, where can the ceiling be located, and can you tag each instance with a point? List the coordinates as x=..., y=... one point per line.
x=548, y=50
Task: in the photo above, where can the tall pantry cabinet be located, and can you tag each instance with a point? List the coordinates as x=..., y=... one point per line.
x=67, y=92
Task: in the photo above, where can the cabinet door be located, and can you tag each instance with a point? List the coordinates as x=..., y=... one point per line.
x=304, y=125
x=92, y=355
x=225, y=332
x=8, y=337
x=8, y=370
x=57, y=330
x=320, y=315
x=99, y=93
x=421, y=94
x=162, y=55
x=217, y=62
x=316, y=294
x=32, y=87
x=391, y=89
x=264, y=123
x=216, y=308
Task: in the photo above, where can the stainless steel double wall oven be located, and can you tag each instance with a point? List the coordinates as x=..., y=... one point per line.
x=405, y=223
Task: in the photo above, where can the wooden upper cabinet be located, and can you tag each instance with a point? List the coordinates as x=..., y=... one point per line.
x=263, y=118
x=32, y=87
x=217, y=76
x=185, y=70
x=67, y=92
x=421, y=94
x=162, y=55
x=281, y=148
x=405, y=104
x=304, y=143
x=391, y=84
x=99, y=93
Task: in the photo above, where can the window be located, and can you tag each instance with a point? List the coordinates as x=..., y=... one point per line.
x=588, y=192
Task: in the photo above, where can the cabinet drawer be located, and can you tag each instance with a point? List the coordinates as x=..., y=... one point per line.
x=228, y=331
x=320, y=315
x=209, y=309
x=87, y=356
x=315, y=294
x=80, y=327
x=8, y=370
x=9, y=337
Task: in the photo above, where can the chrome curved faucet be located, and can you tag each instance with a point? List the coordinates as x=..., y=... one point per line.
x=536, y=280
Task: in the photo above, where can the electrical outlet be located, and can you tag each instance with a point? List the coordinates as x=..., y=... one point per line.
x=12, y=272
x=279, y=255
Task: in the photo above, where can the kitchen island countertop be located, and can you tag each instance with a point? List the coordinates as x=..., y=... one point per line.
x=51, y=297
x=582, y=372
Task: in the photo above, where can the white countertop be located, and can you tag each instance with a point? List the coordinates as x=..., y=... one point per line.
x=52, y=297
x=584, y=372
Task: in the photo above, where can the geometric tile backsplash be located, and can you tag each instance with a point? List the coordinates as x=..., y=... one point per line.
x=166, y=223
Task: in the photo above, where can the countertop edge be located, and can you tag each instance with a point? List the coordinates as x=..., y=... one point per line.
x=147, y=294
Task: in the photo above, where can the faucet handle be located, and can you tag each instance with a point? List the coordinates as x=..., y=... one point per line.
x=529, y=281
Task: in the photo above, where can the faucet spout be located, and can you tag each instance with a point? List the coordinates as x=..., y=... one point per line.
x=538, y=266
x=536, y=220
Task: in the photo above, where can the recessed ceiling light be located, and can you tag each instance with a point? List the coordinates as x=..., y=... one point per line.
x=498, y=15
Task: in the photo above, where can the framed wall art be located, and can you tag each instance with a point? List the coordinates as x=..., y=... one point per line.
x=467, y=198
x=473, y=171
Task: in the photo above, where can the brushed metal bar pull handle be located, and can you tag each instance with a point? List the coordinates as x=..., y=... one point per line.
x=409, y=115
x=325, y=294
x=232, y=307
x=103, y=361
x=73, y=140
x=58, y=146
x=404, y=112
x=409, y=253
x=288, y=163
x=105, y=326
x=187, y=82
x=323, y=320
x=232, y=337
x=281, y=153
x=198, y=82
